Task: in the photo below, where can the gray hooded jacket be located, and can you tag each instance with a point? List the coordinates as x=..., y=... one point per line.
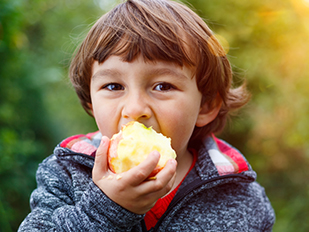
x=219, y=194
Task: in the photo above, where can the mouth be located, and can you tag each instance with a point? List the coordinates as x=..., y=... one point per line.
x=146, y=124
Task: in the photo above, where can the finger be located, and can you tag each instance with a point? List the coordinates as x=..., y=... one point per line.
x=100, y=163
x=172, y=165
x=140, y=173
x=168, y=171
x=164, y=180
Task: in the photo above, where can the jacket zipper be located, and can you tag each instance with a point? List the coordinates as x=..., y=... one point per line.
x=185, y=192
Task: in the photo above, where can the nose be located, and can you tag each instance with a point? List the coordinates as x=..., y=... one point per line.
x=136, y=107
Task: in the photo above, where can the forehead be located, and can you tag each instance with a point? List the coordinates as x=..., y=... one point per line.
x=116, y=67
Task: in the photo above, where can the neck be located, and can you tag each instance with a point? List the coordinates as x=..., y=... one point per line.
x=184, y=163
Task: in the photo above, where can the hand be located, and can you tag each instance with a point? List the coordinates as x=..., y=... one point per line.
x=131, y=189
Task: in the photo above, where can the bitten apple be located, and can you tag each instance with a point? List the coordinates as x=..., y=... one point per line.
x=134, y=143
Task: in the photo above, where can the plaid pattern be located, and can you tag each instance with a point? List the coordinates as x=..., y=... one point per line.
x=227, y=159
x=82, y=143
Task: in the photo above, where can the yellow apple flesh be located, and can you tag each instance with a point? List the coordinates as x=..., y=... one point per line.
x=134, y=143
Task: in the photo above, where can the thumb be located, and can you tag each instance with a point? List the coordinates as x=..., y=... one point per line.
x=100, y=162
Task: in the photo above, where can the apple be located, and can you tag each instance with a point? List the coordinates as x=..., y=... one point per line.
x=133, y=143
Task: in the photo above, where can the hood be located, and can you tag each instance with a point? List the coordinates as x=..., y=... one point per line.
x=218, y=158
x=79, y=148
x=215, y=157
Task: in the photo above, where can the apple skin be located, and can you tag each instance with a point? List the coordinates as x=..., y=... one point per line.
x=133, y=143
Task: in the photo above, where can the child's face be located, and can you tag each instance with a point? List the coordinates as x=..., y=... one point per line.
x=158, y=94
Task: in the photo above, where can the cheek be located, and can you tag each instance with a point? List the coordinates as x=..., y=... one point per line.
x=180, y=125
x=104, y=120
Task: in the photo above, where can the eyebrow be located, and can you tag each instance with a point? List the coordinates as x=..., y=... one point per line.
x=106, y=72
x=167, y=71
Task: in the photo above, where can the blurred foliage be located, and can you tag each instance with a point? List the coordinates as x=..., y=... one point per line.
x=266, y=42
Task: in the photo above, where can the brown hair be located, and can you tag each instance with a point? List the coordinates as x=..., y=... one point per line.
x=160, y=30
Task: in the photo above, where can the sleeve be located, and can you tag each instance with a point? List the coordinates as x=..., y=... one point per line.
x=53, y=207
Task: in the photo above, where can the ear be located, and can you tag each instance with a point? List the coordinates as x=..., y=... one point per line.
x=209, y=111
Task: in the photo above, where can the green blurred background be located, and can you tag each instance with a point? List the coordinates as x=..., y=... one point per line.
x=267, y=43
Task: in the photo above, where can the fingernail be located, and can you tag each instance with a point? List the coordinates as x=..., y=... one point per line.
x=172, y=161
x=156, y=153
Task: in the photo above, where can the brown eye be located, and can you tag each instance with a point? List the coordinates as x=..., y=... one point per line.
x=164, y=87
x=113, y=87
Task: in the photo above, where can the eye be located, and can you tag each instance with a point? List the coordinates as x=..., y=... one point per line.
x=164, y=87
x=113, y=87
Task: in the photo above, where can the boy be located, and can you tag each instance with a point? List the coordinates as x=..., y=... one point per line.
x=156, y=62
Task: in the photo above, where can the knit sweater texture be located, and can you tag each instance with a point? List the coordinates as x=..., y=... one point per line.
x=219, y=194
